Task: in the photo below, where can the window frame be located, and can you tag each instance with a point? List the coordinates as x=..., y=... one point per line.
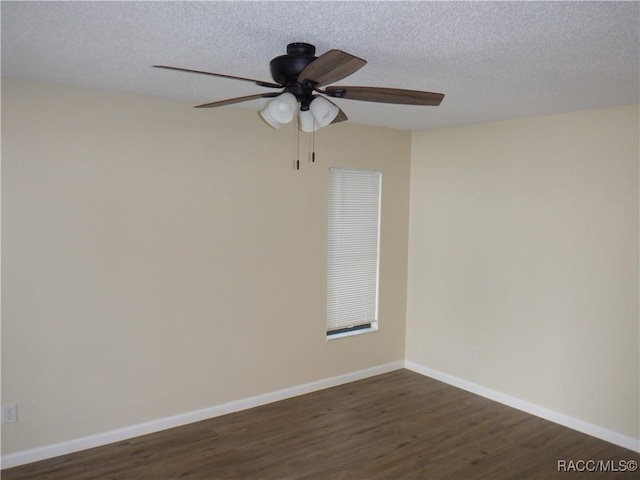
x=370, y=323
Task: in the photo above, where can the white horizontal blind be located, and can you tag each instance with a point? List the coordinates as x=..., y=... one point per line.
x=353, y=248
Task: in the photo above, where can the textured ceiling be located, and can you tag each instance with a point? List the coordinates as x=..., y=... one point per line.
x=492, y=60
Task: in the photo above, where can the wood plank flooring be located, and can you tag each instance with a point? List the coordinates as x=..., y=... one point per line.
x=400, y=425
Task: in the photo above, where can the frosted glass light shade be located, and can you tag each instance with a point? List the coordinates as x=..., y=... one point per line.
x=308, y=124
x=323, y=111
x=267, y=117
x=280, y=110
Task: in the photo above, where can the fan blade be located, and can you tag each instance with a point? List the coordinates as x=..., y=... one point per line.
x=330, y=67
x=260, y=83
x=231, y=101
x=386, y=95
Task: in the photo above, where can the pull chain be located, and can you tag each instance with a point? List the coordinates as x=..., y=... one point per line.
x=296, y=141
x=297, y=148
x=313, y=142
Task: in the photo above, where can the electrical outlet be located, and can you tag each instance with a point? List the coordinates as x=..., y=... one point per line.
x=473, y=353
x=9, y=413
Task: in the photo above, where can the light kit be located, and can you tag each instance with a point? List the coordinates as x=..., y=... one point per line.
x=314, y=114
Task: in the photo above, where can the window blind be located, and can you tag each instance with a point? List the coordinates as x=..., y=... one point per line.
x=353, y=249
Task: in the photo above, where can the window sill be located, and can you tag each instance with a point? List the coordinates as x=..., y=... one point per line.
x=352, y=333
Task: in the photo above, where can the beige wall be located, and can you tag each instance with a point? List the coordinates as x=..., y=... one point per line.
x=158, y=259
x=524, y=244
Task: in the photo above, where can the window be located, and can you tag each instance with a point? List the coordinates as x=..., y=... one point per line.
x=353, y=251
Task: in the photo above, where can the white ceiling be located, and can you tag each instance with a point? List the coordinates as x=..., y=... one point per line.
x=492, y=60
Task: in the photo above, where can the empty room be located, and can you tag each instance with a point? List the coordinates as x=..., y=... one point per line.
x=394, y=240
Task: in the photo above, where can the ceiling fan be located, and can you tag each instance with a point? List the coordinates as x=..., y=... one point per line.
x=301, y=76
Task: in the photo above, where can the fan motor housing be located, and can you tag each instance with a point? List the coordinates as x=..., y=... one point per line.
x=286, y=68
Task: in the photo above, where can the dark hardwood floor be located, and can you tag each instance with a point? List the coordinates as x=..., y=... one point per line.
x=400, y=425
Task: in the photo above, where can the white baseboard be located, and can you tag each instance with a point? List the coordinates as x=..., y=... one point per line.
x=542, y=412
x=105, y=438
